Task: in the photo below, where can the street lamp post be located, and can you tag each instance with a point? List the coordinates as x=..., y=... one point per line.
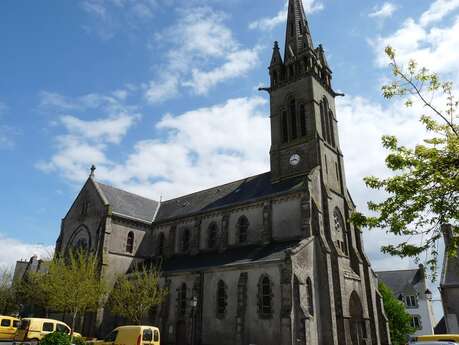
x=193, y=304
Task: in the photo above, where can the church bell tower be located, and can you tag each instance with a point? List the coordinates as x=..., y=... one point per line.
x=303, y=125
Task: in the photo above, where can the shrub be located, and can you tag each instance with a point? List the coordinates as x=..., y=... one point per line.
x=78, y=341
x=56, y=338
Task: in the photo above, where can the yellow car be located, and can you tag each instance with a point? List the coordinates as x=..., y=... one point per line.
x=454, y=338
x=33, y=329
x=8, y=327
x=132, y=335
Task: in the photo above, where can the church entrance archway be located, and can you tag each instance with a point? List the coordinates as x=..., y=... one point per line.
x=180, y=337
x=357, y=322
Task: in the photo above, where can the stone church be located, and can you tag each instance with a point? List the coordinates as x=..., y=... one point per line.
x=270, y=259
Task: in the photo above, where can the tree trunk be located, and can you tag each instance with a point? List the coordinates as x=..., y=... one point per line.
x=75, y=312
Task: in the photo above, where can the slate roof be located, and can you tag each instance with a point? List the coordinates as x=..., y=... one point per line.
x=244, y=190
x=402, y=280
x=235, y=256
x=129, y=204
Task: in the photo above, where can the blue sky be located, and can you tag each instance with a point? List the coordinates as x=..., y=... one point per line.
x=162, y=96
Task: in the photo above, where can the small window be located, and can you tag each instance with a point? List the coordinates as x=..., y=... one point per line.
x=147, y=335
x=243, y=229
x=161, y=244
x=303, y=121
x=111, y=337
x=284, y=127
x=332, y=130
x=410, y=301
x=265, y=297
x=156, y=336
x=48, y=327
x=310, y=296
x=416, y=322
x=186, y=237
x=212, y=236
x=221, y=299
x=62, y=328
x=130, y=243
x=182, y=300
x=293, y=126
x=5, y=323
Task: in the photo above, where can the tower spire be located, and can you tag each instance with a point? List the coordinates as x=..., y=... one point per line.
x=297, y=37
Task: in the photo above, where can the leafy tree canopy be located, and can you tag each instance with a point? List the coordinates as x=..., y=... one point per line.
x=423, y=190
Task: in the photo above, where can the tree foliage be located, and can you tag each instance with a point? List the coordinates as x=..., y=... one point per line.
x=423, y=190
x=56, y=338
x=134, y=295
x=7, y=295
x=72, y=284
x=399, y=320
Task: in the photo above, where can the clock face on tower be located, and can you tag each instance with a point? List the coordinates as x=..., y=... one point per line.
x=294, y=159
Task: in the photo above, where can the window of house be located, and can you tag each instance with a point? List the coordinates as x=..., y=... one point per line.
x=303, y=120
x=130, y=242
x=221, y=299
x=212, y=236
x=161, y=244
x=265, y=297
x=310, y=296
x=323, y=120
x=186, y=238
x=332, y=130
x=293, y=126
x=182, y=300
x=416, y=322
x=243, y=229
x=340, y=234
x=284, y=127
x=411, y=301
x=48, y=327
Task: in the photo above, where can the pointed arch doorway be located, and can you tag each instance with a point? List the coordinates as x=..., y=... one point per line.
x=357, y=322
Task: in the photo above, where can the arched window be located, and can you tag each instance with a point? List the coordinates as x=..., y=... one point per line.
x=212, y=236
x=265, y=297
x=182, y=300
x=293, y=126
x=275, y=78
x=243, y=229
x=340, y=231
x=284, y=127
x=332, y=130
x=310, y=296
x=303, y=120
x=221, y=299
x=186, y=238
x=130, y=242
x=161, y=244
x=323, y=120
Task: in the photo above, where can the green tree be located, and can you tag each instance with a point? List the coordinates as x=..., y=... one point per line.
x=423, y=190
x=399, y=320
x=73, y=284
x=30, y=291
x=7, y=296
x=137, y=293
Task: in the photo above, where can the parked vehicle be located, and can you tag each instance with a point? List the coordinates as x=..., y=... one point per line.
x=34, y=329
x=8, y=327
x=428, y=342
x=423, y=339
x=132, y=335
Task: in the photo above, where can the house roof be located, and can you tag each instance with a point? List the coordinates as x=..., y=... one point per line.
x=129, y=204
x=402, y=280
x=234, y=256
x=244, y=190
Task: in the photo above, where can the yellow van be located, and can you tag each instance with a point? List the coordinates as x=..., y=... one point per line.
x=8, y=327
x=437, y=337
x=33, y=329
x=132, y=335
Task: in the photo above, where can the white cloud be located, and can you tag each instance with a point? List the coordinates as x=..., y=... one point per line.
x=386, y=10
x=434, y=47
x=438, y=10
x=269, y=23
x=199, y=45
x=235, y=145
x=7, y=133
x=12, y=250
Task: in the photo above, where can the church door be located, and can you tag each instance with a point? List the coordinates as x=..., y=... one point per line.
x=357, y=323
x=181, y=333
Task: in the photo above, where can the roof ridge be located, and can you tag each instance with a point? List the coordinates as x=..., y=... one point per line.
x=208, y=189
x=124, y=191
x=404, y=270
